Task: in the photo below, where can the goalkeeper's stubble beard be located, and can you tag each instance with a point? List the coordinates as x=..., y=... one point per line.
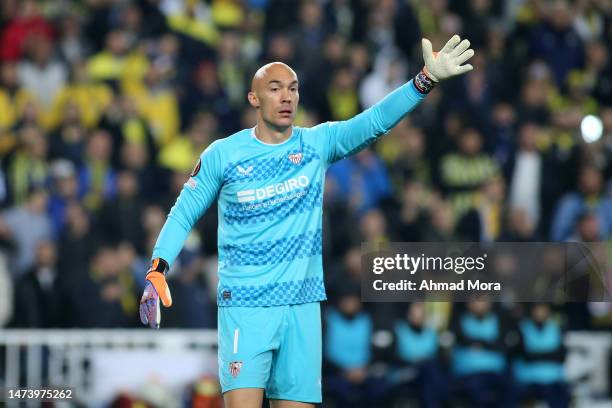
x=276, y=114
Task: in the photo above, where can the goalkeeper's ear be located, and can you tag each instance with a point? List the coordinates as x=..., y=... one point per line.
x=253, y=99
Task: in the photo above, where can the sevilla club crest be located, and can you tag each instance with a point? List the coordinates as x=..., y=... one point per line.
x=235, y=367
x=295, y=158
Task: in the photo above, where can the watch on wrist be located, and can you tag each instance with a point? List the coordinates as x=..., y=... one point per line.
x=423, y=83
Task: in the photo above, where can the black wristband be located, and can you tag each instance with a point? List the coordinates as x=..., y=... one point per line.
x=159, y=265
x=423, y=83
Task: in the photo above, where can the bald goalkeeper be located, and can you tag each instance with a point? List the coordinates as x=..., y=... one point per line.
x=268, y=181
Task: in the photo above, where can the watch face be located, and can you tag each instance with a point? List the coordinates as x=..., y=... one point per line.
x=423, y=83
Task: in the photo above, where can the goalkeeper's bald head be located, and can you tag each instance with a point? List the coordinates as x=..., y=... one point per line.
x=270, y=71
x=274, y=94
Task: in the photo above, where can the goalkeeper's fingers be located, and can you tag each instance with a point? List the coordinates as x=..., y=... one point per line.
x=464, y=68
x=464, y=57
x=158, y=280
x=150, y=313
x=451, y=44
x=459, y=49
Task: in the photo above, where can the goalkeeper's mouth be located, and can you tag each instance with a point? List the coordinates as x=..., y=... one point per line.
x=285, y=112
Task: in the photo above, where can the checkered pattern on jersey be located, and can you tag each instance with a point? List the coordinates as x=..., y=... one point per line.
x=298, y=246
x=280, y=206
x=262, y=169
x=273, y=294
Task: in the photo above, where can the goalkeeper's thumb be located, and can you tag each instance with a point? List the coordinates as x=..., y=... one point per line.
x=156, y=276
x=428, y=54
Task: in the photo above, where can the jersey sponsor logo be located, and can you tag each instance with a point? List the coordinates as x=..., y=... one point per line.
x=295, y=158
x=272, y=190
x=235, y=367
x=197, y=168
x=243, y=171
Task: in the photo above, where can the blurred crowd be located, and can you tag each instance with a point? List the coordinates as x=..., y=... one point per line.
x=105, y=106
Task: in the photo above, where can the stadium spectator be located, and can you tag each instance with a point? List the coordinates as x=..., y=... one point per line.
x=77, y=243
x=538, y=366
x=532, y=187
x=387, y=75
x=233, y=68
x=91, y=99
x=38, y=297
x=441, y=227
x=342, y=96
x=556, y=41
x=119, y=218
x=207, y=95
x=25, y=166
x=361, y=181
x=73, y=45
x=518, y=227
x=589, y=197
x=42, y=76
x=13, y=99
x=27, y=226
x=478, y=360
x=464, y=172
x=116, y=62
x=67, y=141
x=347, y=274
x=63, y=192
x=418, y=352
x=405, y=156
x=26, y=24
x=97, y=178
x=182, y=153
x=484, y=222
x=109, y=286
x=156, y=102
x=411, y=213
x=347, y=351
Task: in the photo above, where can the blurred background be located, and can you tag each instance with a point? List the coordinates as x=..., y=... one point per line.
x=105, y=106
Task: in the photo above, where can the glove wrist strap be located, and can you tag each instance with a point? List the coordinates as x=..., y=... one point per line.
x=423, y=83
x=159, y=265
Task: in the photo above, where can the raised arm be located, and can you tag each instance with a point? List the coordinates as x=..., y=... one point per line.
x=348, y=137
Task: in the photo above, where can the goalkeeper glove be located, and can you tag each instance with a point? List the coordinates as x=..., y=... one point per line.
x=443, y=64
x=155, y=289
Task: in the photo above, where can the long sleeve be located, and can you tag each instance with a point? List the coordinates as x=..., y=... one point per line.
x=197, y=195
x=348, y=137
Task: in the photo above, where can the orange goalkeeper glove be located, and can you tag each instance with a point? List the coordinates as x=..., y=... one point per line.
x=156, y=288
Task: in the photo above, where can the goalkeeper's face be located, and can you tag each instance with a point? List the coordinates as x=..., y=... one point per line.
x=274, y=93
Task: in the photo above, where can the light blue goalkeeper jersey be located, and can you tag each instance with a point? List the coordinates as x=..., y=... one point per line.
x=271, y=202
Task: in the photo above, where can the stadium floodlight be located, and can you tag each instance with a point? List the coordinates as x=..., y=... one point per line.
x=591, y=128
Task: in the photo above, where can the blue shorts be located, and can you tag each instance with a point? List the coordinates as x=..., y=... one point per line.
x=277, y=348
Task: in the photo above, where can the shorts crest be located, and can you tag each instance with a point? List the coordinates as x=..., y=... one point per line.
x=235, y=367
